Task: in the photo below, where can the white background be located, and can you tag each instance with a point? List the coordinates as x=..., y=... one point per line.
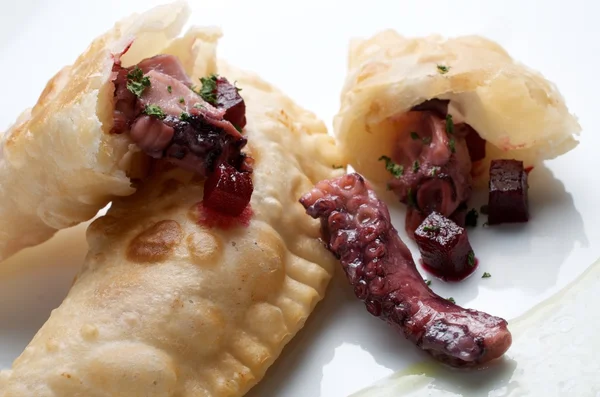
x=301, y=47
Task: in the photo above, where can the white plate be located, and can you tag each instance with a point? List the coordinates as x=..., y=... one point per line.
x=301, y=47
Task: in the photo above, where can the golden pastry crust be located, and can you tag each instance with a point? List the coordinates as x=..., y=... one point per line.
x=515, y=109
x=59, y=164
x=167, y=307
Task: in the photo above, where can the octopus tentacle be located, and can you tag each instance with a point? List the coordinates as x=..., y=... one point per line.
x=357, y=229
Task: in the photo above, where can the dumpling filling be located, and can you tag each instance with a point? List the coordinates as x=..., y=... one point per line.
x=163, y=114
x=431, y=164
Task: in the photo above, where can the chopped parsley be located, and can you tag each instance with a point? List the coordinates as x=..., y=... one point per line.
x=154, y=110
x=393, y=168
x=237, y=127
x=449, y=124
x=236, y=87
x=185, y=116
x=431, y=228
x=337, y=167
x=452, y=145
x=486, y=275
x=451, y=299
x=170, y=89
x=471, y=258
x=411, y=199
x=434, y=171
x=427, y=140
x=415, y=166
x=199, y=106
x=181, y=99
x=471, y=218
x=137, y=82
x=414, y=135
x=443, y=69
x=208, y=91
x=427, y=282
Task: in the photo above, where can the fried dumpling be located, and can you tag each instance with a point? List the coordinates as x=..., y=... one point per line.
x=60, y=163
x=427, y=115
x=167, y=305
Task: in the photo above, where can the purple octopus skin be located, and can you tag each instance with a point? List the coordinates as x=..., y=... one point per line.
x=356, y=228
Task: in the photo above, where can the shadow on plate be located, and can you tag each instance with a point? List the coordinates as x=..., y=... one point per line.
x=535, y=251
x=520, y=252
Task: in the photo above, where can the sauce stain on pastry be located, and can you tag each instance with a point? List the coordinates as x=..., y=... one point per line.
x=155, y=243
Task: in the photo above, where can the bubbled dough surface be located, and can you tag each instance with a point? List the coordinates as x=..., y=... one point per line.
x=166, y=307
x=58, y=164
x=511, y=106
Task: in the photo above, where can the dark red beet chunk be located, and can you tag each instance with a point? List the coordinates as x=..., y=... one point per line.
x=211, y=218
x=445, y=248
x=228, y=98
x=508, y=202
x=227, y=190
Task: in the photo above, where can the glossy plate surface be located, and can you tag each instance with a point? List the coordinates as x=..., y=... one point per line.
x=301, y=47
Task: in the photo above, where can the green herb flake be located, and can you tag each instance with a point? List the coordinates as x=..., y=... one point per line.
x=471, y=258
x=486, y=275
x=238, y=128
x=199, y=106
x=137, y=82
x=236, y=87
x=395, y=169
x=471, y=218
x=452, y=145
x=415, y=166
x=181, y=100
x=410, y=199
x=208, y=91
x=451, y=300
x=170, y=89
x=427, y=140
x=155, y=110
x=443, y=69
x=427, y=282
x=414, y=135
x=184, y=116
x=337, y=167
x=449, y=124
x=431, y=228
x=434, y=171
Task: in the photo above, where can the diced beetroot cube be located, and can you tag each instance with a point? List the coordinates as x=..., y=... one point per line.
x=227, y=190
x=445, y=248
x=228, y=98
x=508, y=200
